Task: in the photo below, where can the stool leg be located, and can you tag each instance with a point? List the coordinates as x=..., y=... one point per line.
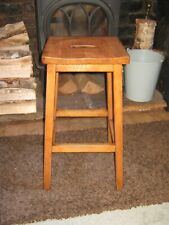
x=117, y=85
x=110, y=107
x=49, y=123
x=55, y=105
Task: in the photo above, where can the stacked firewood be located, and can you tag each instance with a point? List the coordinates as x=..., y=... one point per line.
x=17, y=84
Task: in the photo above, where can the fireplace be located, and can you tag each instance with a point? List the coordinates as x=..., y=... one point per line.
x=76, y=17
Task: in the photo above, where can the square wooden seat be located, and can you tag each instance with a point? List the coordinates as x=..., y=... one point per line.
x=85, y=54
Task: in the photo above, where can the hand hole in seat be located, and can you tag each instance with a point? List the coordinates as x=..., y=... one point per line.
x=82, y=46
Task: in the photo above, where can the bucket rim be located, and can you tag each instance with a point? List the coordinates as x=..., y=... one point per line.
x=154, y=51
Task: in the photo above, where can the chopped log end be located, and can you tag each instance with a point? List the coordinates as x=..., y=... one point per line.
x=68, y=88
x=87, y=84
x=92, y=88
x=147, y=21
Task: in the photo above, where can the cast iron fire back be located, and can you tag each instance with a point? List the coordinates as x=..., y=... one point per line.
x=76, y=17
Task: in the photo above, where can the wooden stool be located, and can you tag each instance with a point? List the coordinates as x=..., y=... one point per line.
x=85, y=54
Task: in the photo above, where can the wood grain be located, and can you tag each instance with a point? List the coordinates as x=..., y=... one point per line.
x=73, y=54
x=110, y=105
x=49, y=123
x=108, y=51
x=117, y=86
x=83, y=148
x=81, y=113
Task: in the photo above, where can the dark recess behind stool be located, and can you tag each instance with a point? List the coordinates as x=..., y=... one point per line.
x=162, y=43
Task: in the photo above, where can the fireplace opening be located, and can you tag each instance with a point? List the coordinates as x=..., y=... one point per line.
x=76, y=18
x=90, y=17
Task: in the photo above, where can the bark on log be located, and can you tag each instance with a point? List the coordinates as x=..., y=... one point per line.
x=144, y=37
x=29, y=83
x=13, y=54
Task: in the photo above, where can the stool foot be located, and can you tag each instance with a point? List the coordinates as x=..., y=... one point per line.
x=119, y=186
x=119, y=167
x=119, y=181
x=47, y=185
x=47, y=172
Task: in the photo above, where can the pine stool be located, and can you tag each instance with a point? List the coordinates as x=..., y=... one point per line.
x=85, y=54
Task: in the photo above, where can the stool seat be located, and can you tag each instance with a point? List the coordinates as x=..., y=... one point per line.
x=84, y=51
x=85, y=54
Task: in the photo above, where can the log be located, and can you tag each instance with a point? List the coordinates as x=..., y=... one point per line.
x=12, y=29
x=15, y=68
x=99, y=79
x=25, y=60
x=16, y=48
x=92, y=88
x=20, y=39
x=16, y=71
x=68, y=88
x=28, y=83
x=16, y=94
x=67, y=84
x=18, y=107
x=13, y=54
x=87, y=84
x=144, y=37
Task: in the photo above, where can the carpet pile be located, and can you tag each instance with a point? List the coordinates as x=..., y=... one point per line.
x=82, y=183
